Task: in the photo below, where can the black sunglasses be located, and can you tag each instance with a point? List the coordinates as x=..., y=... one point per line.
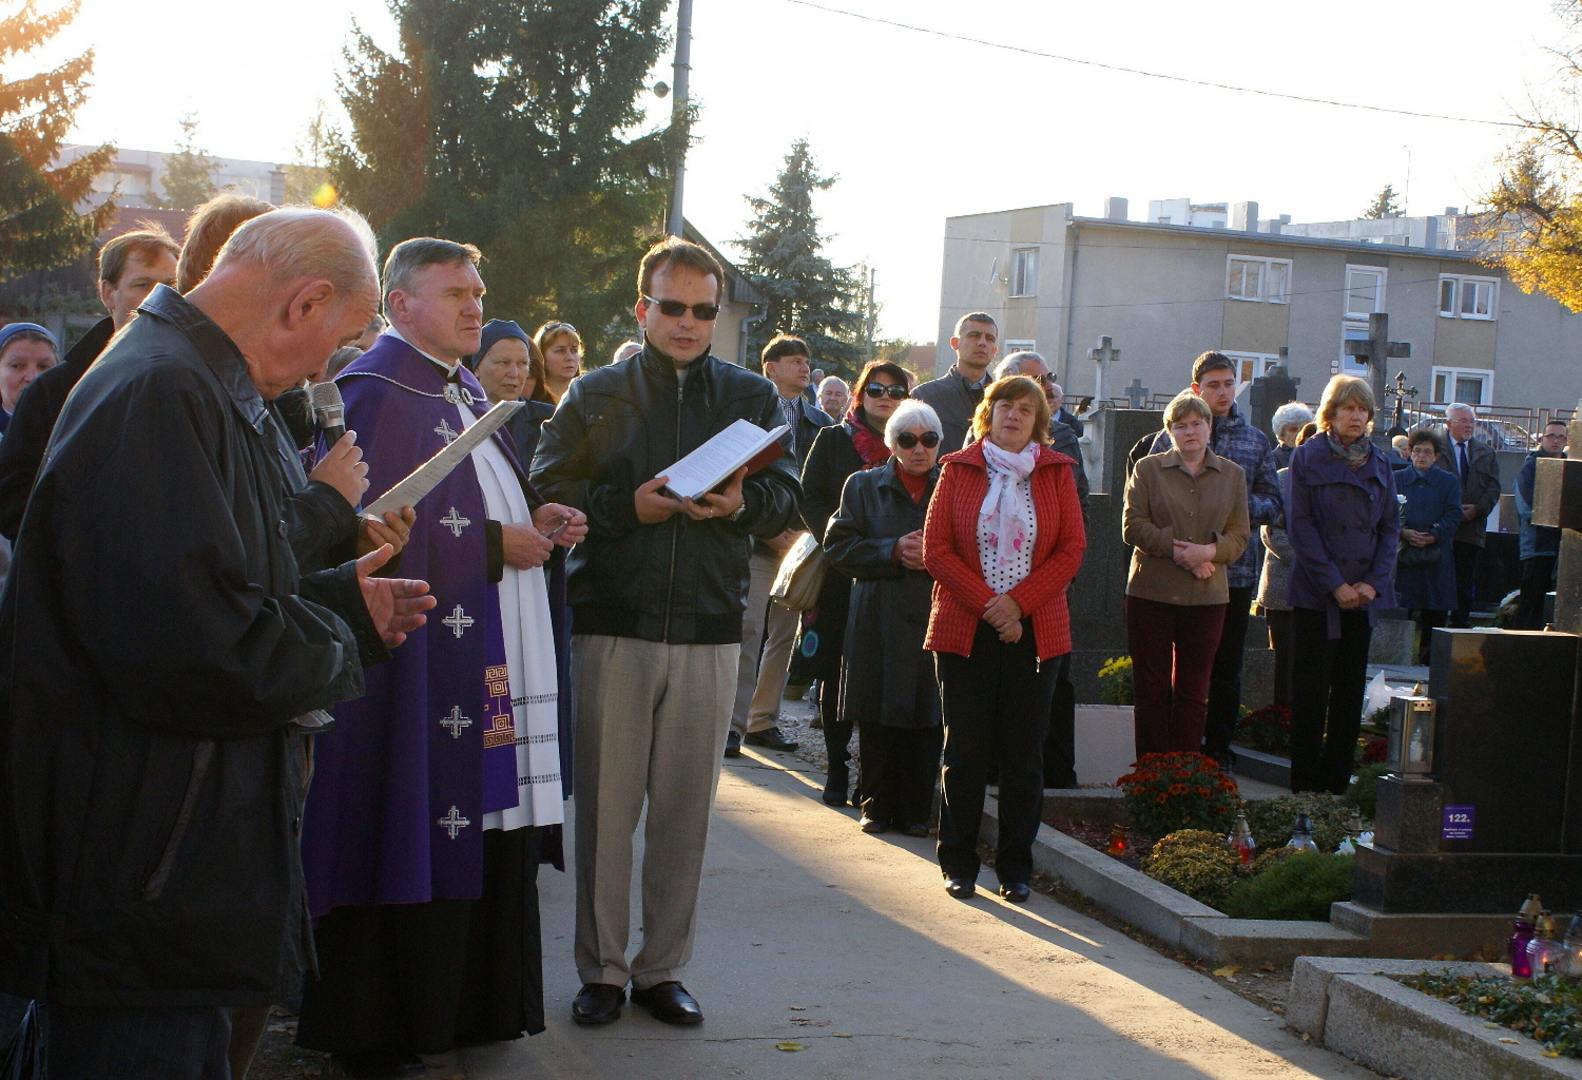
x=906, y=440
x=878, y=390
x=675, y=309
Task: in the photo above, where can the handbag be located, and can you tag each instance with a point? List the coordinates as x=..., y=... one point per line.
x=1417, y=556
x=801, y=575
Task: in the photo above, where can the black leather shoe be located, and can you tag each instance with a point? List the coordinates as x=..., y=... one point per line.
x=872, y=825
x=670, y=1003
x=733, y=743
x=835, y=785
x=960, y=887
x=598, y=1003
x=771, y=738
x=915, y=829
x=378, y=1064
x=1016, y=892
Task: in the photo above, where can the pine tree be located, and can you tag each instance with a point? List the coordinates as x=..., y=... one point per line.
x=1384, y=205
x=189, y=172
x=40, y=228
x=509, y=124
x=808, y=295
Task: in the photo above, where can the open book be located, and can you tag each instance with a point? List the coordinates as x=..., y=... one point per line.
x=426, y=477
x=710, y=465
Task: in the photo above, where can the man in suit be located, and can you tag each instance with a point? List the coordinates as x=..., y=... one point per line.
x=1057, y=405
x=761, y=675
x=955, y=394
x=1473, y=460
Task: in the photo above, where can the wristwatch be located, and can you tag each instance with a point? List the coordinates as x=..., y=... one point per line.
x=736, y=514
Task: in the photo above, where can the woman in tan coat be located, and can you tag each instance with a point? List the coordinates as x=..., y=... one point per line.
x=1186, y=519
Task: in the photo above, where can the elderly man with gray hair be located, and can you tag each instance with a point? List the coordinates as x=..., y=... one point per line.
x=1471, y=460
x=164, y=658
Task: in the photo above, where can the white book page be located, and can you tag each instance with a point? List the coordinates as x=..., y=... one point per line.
x=426, y=477
x=703, y=470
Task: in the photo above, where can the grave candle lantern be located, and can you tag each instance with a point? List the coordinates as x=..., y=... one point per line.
x=1117, y=840
x=1410, y=750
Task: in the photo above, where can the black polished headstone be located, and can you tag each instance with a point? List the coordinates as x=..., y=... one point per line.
x=1266, y=394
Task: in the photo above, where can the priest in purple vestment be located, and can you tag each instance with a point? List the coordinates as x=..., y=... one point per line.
x=441, y=790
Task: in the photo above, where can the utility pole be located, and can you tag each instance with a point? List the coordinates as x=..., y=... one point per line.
x=678, y=112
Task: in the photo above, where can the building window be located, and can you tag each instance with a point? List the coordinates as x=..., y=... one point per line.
x=1464, y=297
x=1364, y=291
x=1020, y=346
x=1469, y=386
x=1249, y=277
x=1024, y=272
x=1251, y=365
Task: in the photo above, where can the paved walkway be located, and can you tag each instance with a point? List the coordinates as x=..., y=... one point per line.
x=813, y=933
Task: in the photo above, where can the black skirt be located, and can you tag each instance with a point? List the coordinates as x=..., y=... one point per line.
x=428, y=978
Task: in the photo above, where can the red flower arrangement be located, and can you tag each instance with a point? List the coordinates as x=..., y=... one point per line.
x=1180, y=790
x=1267, y=729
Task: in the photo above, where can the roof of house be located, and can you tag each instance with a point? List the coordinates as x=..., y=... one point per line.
x=737, y=288
x=1275, y=239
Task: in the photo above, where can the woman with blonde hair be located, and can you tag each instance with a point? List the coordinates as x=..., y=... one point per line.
x=1186, y=519
x=1344, y=524
x=561, y=348
x=1003, y=539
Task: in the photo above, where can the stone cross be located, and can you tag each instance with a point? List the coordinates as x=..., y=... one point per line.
x=1104, y=354
x=1401, y=393
x=1377, y=350
x=1137, y=394
x=453, y=822
x=455, y=721
x=455, y=522
x=458, y=621
x=446, y=432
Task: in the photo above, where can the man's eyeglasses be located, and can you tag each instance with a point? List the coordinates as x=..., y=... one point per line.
x=906, y=440
x=878, y=390
x=675, y=309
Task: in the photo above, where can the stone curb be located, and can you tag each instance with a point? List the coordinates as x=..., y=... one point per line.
x=1177, y=920
x=1354, y=1007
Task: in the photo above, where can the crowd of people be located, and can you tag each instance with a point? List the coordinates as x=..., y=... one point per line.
x=261, y=745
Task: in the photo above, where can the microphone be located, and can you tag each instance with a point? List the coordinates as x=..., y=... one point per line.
x=329, y=411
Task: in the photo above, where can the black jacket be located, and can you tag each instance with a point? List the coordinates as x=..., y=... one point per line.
x=22, y=449
x=157, y=643
x=680, y=581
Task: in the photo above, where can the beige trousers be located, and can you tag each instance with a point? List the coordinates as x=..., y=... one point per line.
x=651, y=723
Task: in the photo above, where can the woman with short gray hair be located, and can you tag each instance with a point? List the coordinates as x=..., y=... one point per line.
x=888, y=685
x=1287, y=423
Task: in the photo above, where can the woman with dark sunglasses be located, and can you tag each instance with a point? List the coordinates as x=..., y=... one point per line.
x=856, y=443
x=887, y=683
x=1003, y=540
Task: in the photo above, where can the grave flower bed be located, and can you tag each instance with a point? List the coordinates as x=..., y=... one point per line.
x=1180, y=808
x=1547, y=1009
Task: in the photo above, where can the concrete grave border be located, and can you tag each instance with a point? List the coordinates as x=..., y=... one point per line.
x=1357, y=1008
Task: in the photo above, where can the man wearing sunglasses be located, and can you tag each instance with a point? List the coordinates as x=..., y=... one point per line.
x=761, y=673
x=955, y=394
x=657, y=592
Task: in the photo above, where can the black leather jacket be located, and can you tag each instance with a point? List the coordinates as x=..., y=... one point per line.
x=680, y=581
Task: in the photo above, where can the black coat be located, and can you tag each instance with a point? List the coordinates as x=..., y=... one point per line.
x=619, y=426
x=888, y=678
x=157, y=643
x=22, y=449
x=525, y=427
x=833, y=458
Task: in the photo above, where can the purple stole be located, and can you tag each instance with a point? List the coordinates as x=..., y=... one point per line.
x=401, y=783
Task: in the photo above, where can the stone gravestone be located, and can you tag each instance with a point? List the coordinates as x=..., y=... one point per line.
x=1269, y=391
x=1507, y=756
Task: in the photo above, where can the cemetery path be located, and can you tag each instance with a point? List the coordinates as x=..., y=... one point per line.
x=813, y=935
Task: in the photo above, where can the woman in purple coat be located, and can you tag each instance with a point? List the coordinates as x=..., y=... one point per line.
x=1344, y=524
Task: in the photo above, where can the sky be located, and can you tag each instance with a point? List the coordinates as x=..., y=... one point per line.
x=922, y=126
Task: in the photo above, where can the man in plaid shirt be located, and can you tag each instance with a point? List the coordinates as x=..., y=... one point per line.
x=1214, y=380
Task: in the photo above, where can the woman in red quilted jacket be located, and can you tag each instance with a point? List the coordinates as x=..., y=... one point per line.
x=1003, y=539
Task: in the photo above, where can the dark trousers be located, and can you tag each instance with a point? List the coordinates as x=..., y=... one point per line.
x=996, y=710
x=1329, y=687
x=1282, y=641
x=1173, y=651
x=128, y=1044
x=837, y=732
x=899, y=766
x=1060, y=745
x=1538, y=576
x=1466, y=556
x=1426, y=621
x=1224, y=684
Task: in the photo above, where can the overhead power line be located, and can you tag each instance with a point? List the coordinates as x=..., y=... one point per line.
x=1163, y=76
